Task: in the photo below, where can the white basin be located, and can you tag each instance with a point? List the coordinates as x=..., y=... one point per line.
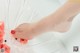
x=15, y=12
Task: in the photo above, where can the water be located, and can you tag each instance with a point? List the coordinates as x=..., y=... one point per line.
x=15, y=12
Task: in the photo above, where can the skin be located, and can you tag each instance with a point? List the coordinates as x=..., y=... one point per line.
x=59, y=21
x=75, y=1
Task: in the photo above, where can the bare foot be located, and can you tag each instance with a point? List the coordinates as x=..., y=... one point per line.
x=63, y=27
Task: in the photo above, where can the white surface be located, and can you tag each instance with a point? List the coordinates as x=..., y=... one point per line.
x=15, y=12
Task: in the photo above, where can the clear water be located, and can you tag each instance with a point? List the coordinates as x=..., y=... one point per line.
x=15, y=12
